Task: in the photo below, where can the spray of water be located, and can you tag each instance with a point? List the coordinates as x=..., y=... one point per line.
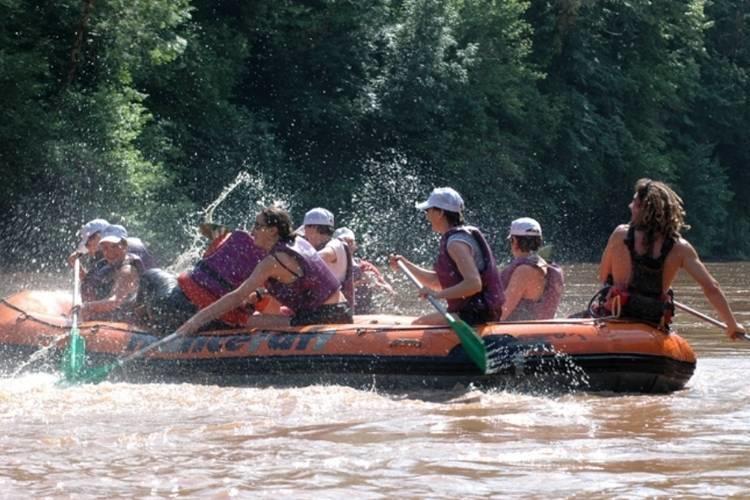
x=39, y=354
x=537, y=367
x=234, y=208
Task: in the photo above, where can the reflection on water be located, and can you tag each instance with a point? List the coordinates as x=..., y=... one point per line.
x=124, y=440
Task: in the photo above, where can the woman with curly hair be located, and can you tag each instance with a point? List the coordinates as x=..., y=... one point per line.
x=642, y=259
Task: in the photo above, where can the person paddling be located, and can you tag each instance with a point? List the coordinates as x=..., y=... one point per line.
x=533, y=287
x=292, y=272
x=642, y=259
x=90, y=233
x=110, y=288
x=465, y=273
x=166, y=301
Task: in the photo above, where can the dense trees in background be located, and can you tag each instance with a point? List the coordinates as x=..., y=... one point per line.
x=143, y=110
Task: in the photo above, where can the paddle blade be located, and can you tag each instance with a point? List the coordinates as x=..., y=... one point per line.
x=545, y=252
x=74, y=357
x=471, y=341
x=96, y=374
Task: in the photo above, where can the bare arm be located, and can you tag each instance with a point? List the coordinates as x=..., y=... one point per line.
x=372, y=275
x=126, y=284
x=711, y=289
x=606, y=267
x=264, y=270
x=471, y=284
x=328, y=254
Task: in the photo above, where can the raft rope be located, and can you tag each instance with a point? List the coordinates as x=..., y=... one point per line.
x=25, y=316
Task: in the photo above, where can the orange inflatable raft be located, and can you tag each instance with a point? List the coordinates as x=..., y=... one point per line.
x=383, y=351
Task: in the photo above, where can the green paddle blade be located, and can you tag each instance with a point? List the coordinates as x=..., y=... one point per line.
x=545, y=252
x=74, y=357
x=471, y=341
x=96, y=374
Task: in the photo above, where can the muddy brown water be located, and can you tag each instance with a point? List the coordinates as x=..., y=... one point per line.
x=158, y=440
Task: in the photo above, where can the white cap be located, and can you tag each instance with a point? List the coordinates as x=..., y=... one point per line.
x=344, y=233
x=318, y=217
x=525, y=226
x=444, y=198
x=88, y=230
x=114, y=234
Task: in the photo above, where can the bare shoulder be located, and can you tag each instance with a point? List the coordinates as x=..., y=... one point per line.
x=279, y=262
x=620, y=232
x=274, y=258
x=684, y=249
x=527, y=273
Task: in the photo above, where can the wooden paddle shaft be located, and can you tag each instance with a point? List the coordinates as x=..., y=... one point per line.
x=704, y=317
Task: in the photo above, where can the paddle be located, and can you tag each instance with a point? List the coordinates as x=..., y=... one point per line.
x=545, y=252
x=705, y=317
x=471, y=341
x=100, y=373
x=74, y=356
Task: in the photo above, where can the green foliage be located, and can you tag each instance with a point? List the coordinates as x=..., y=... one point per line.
x=141, y=111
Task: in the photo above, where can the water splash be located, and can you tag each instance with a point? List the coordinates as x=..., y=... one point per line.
x=242, y=178
x=537, y=366
x=38, y=355
x=236, y=211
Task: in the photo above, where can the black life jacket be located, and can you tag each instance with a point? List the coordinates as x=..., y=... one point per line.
x=100, y=280
x=645, y=298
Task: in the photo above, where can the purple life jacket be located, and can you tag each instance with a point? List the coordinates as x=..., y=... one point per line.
x=100, y=280
x=546, y=306
x=229, y=265
x=310, y=290
x=491, y=298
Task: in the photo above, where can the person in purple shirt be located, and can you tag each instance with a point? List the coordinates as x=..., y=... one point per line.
x=533, y=287
x=293, y=273
x=465, y=273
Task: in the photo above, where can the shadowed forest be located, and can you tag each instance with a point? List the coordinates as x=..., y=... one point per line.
x=143, y=111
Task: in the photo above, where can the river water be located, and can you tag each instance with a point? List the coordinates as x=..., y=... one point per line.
x=158, y=440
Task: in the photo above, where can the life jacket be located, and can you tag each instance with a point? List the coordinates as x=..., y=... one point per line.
x=546, y=306
x=311, y=289
x=228, y=266
x=491, y=298
x=222, y=269
x=136, y=247
x=99, y=282
x=643, y=297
